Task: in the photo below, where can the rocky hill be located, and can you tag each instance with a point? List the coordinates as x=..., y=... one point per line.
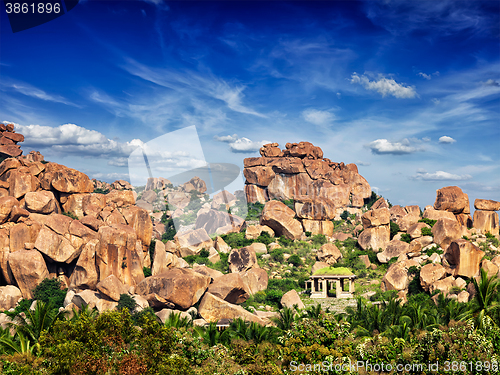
x=231, y=255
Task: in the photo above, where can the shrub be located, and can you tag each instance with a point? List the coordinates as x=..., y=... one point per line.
x=49, y=290
x=429, y=222
x=223, y=264
x=406, y=237
x=434, y=249
x=344, y=215
x=169, y=229
x=147, y=271
x=264, y=238
x=319, y=239
x=204, y=253
x=236, y=240
x=285, y=241
x=394, y=229
x=126, y=302
x=277, y=255
x=308, y=234
x=295, y=260
x=101, y=191
x=370, y=201
x=427, y=232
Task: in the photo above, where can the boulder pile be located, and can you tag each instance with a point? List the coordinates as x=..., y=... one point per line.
x=9, y=140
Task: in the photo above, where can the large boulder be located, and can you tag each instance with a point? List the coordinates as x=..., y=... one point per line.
x=375, y=218
x=193, y=241
x=241, y=260
x=395, y=248
x=255, y=194
x=256, y=279
x=67, y=180
x=6, y=206
x=117, y=254
x=303, y=150
x=281, y=219
x=453, y=199
x=85, y=274
x=213, y=220
x=486, y=221
x=430, y=273
x=445, y=231
x=318, y=208
x=29, y=269
x=9, y=297
x=230, y=287
x=443, y=285
x=213, y=309
x=375, y=238
x=270, y=150
x=328, y=253
x=486, y=205
x=55, y=246
x=43, y=202
x=431, y=213
x=397, y=277
x=254, y=231
x=112, y=287
x=291, y=299
x=181, y=286
x=464, y=257
x=162, y=261
x=324, y=227
x=259, y=175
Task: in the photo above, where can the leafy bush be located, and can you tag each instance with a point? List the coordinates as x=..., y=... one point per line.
x=49, y=290
x=283, y=241
x=254, y=210
x=126, y=301
x=236, y=240
x=371, y=200
x=429, y=222
x=101, y=191
x=290, y=203
x=434, y=249
x=491, y=238
x=427, y=232
x=394, y=229
x=147, y=271
x=344, y=215
x=308, y=234
x=406, y=237
x=198, y=259
x=22, y=307
x=170, y=231
x=223, y=264
x=277, y=255
x=264, y=238
x=319, y=239
x=295, y=260
x=204, y=253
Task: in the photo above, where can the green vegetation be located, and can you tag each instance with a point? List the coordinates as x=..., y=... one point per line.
x=405, y=237
x=370, y=201
x=334, y=271
x=426, y=232
x=126, y=301
x=429, y=222
x=394, y=227
x=71, y=215
x=49, y=291
x=170, y=231
x=101, y=191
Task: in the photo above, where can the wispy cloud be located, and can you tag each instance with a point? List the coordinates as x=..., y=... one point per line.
x=383, y=146
x=426, y=76
x=29, y=90
x=385, y=86
x=318, y=117
x=423, y=175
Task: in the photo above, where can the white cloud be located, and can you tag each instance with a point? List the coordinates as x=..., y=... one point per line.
x=385, y=86
x=491, y=82
x=363, y=163
x=317, y=117
x=74, y=139
x=446, y=139
x=241, y=145
x=227, y=138
x=426, y=76
x=383, y=146
x=422, y=174
x=436, y=101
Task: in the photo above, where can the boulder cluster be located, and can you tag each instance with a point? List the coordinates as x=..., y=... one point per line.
x=9, y=140
x=452, y=241
x=320, y=188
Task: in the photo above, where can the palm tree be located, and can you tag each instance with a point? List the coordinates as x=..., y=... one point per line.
x=484, y=302
x=175, y=321
x=18, y=344
x=287, y=317
x=312, y=312
x=42, y=318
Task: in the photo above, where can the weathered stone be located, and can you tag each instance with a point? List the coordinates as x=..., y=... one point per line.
x=453, y=199
x=241, y=260
x=210, y=272
x=375, y=218
x=230, y=287
x=374, y=238
x=29, y=269
x=117, y=254
x=380, y=203
x=55, y=246
x=183, y=287
x=255, y=194
x=86, y=297
x=463, y=297
x=431, y=213
x=318, y=265
x=303, y=150
x=430, y=273
x=192, y=242
x=366, y=260
x=490, y=267
x=256, y=279
x=42, y=202
x=463, y=257
x=486, y=205
x=92, y=204
x=72, y=181
x=397, y=277
x=445, y=231
x=195, y=183
x=213, y=309
x=415, y=231
x=85, y=274
x=486, y=221
x=259, y=248
x=443, y=285
x=254, y=231
x=260, y=175
x=291, y=299
x=112, y=287
x=270, y=150
x=281, y=219
x=74, y=205
x=318, y=227
x=224, y=197
x=394, y=249
x=21, y=182
x=212, y=220
x=6, y=205
x=289, y=186
x=164, y=314
x=9, y=297
x=314, y=209
x=328, y=253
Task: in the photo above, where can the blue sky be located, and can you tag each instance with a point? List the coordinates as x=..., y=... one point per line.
x=408, y=90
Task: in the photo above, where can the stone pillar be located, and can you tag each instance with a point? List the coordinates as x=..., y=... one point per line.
x=325, y=288
x=350, y=285
x=338, y=288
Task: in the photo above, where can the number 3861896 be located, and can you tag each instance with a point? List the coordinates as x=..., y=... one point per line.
x=32, y=8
